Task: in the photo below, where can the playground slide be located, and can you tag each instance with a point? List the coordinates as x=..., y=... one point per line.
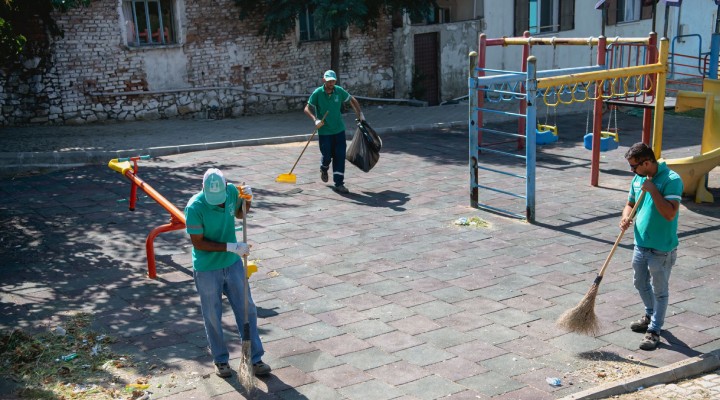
x=693, y=170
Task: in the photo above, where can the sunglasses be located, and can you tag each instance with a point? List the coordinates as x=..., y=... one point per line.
x=633, y=167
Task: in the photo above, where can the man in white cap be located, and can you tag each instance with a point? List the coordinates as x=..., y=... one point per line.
x=331, y=132
x=217, y=265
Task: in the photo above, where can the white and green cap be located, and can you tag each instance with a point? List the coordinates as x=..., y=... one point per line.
x=214, y=187
x=330, y=75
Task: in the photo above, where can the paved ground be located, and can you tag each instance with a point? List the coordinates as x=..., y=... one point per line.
x=372, y=295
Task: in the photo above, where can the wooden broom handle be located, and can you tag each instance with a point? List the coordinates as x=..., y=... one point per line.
x=622, y=232
x=306, y=145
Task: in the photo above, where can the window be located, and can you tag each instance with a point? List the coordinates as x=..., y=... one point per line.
x=149, y=22
x=437, y=15
x=619, y=11
x=540, y=16
x=308, y=29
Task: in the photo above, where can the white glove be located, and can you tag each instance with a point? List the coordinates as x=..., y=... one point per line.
x=239, y=248
x=318, y=123
x=362, y=116
x=247, y=190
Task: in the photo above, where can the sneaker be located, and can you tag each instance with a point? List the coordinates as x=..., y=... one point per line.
x=223, y=370
x=341, y=189
x=323, y=175
x=650, y=341
x=641, y=325
x=260, y=368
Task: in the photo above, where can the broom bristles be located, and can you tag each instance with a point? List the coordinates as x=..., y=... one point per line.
x=581, y=319
x=246, y=375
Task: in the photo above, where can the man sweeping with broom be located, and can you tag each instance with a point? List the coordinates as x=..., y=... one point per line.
x=218, y=269
x=656, y=242
x=656, y=238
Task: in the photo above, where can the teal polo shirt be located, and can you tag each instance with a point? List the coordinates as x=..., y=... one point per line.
x=331, y=103
x=215, y=223
x=652, y=230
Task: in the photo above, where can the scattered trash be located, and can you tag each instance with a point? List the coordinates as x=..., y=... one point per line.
x=476, y=222
x=640, y=388
x=59, y=331
x=100, y=338
x=273, y=274
x=69, y=357
x=553, y=381
x=131, y=387
x=95, y=350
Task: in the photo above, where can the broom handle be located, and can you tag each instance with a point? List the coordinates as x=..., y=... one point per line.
x=246, y=289
x=622, y=232
x=306, y=145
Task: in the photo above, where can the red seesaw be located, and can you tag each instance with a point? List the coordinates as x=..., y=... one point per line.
x=177, y=217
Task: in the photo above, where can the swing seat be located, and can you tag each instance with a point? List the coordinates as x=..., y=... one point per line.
x=545, y=134
x=609, y=140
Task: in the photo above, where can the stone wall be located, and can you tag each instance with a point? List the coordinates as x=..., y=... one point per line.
x=219, y=68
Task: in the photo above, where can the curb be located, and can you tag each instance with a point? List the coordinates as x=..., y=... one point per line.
x=15, y=163
x=667, y=374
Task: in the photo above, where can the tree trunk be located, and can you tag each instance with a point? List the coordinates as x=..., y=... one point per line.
x=335, y=50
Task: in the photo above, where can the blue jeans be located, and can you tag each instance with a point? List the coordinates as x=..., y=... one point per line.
x=332, y=148
x=652, y=280
x=211, y=285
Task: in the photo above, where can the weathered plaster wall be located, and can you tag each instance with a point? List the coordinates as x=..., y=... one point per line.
x=92, y=75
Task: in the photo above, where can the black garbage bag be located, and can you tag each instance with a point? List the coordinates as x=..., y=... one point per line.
x=364, y=149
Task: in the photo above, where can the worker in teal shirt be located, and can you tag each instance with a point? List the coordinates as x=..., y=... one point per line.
x=326, y=102
x=656, y=238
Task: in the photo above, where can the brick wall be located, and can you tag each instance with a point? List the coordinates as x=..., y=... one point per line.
x=220, y=68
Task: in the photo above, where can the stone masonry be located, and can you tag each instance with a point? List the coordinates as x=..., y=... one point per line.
x=218, y=68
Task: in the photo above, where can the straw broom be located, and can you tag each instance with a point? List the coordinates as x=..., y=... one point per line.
x=246, y=375
x=582, y=319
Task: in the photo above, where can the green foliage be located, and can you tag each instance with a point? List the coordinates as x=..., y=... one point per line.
x=18, y=18
x=279, y=16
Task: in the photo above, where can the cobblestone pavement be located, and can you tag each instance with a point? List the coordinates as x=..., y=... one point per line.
x=376, y=294
x=706, y=386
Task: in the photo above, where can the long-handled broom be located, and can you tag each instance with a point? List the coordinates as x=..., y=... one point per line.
x=246, y=375
x=582, y=319
x=290, y=177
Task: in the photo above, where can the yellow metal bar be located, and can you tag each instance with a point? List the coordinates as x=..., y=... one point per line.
x=545, y=41
x=660, y=98
x=600, y=75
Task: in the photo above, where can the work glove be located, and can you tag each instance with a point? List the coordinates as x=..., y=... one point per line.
x=239, y=248
x=318, y=123
x=362, y=116
x=247, y=191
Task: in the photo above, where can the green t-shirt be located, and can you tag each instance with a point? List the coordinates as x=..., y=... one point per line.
x=214, y=223
x=652, y=230
x=331, y=103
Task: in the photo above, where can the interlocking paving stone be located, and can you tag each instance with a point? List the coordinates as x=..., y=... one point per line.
x=340, y=376
x=371, y=390
x=431, y=387
x=491, y=383
x=313, y=361
x=398, y=373
x=423, y=355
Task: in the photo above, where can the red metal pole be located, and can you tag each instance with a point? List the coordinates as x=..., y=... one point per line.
x=597, y=118
x=174, y=225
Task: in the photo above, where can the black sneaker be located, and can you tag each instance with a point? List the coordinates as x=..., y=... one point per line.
x=323, y=175
x=341, y=189
x=223, y=370
x=650, y=341
x=260, y=368
x=641, y=325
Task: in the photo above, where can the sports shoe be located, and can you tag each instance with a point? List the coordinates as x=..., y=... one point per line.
x=260, y=368
x=223, y=370
x=341, y=189
x=323, y=175
x=641, y=325
x=650, y=341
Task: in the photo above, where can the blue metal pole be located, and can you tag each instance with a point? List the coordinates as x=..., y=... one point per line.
x=473, y=129
x=714, y=54
x=530, y=139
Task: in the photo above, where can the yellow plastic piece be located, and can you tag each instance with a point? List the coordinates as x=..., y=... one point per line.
x=611, y=134
x=551, y=128
x=251, y=269
x=120, y=167
x=286, y=178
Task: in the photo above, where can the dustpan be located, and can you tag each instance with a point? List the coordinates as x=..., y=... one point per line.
x=290, y=177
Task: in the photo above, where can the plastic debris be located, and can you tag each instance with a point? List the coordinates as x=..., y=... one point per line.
x=95, y=349
x=69, y=357
x=472, y=221
x=59, y=331
x=130, y=387
x=553, y=381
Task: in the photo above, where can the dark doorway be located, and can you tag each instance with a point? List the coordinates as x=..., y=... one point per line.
x=425, y=72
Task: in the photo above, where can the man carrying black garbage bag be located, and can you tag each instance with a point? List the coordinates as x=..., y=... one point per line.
x=331, y=133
